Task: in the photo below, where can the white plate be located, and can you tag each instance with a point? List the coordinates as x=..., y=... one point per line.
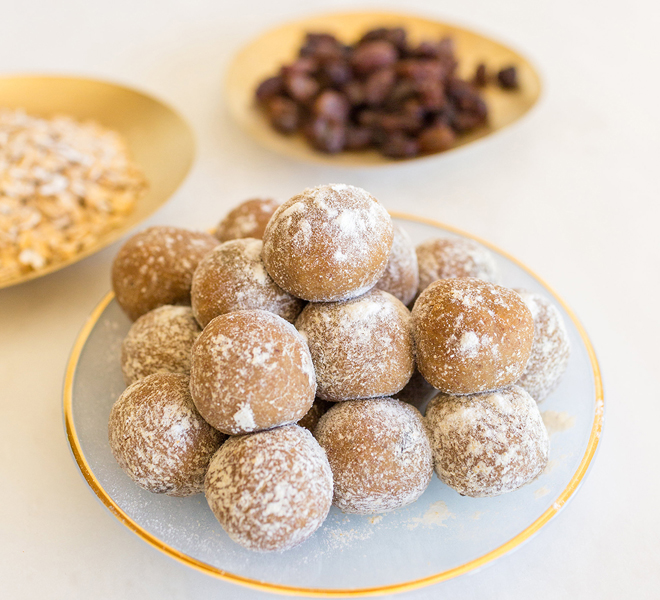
x=440, y=536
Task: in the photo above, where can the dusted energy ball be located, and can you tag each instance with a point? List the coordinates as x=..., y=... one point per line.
x=361, y=348
x=448, y=258
x=487, y=444
x=550, y=350
x=251, y=370
x=159, y=439
x=155, y=267
x=401, y=277
x=270, y=490
x=247, y=220
x=379, y=454
x=328, y=243
x=471, y=336
x=159, y=342
x=232, y=277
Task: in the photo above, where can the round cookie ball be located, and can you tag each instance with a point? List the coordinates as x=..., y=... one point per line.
x=448, y=258
x=487, y=444
x=361, y=348
x=550, y=350
x=401, y=277
x=159, y=439
x=155, y=267
x=379, y=454
x=247, y=220
x=270, y=490
x=471, y=336
x=159, y=342
x=251, y=370
x=328, y=243
x=232, y=277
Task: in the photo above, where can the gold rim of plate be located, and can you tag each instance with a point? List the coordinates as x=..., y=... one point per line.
x=264, y=56
x=559, y=502
x=160, y=140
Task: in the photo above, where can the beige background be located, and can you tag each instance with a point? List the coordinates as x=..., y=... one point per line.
x=571, y=190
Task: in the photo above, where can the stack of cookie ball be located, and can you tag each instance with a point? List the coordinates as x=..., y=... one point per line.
x=281, y=371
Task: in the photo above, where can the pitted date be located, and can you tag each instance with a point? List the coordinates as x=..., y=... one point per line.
x=382, y=92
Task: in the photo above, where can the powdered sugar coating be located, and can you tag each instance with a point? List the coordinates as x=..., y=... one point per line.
x=471, y=336
x=233, y=277
x=251, y=370
x=487, y=444
x=159, y=439
x=155, y=267
x=447, y=258
x=361, y=348
x=379, y=454
x=328, y=243
x=270, y=490
x=550, y=350
x=401, y=276
x=159, y=342
x=247, y=220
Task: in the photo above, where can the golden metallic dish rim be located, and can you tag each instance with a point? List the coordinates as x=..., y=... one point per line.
x=111, y=236
x=568, y=491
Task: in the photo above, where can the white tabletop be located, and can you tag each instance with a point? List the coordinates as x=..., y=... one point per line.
x=571, y=191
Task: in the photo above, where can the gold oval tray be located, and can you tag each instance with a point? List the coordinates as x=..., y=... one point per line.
x=159, y=139
x=264, y=56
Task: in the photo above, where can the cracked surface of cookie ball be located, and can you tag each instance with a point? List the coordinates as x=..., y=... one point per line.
x=487, y=444
x=361, y=348
x=447, y=258
x=270, y=490
x=401, y=276
x=550, y=350
x=251, y=370
x=159, y=342
x=328, y=243
x=379, y=454
x=233, y=277
x=158, y=437
x=471, y=336
x=247, y=220
x=155, y=267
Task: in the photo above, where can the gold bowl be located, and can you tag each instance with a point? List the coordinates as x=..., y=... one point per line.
x=159, y=139
x=264, y=56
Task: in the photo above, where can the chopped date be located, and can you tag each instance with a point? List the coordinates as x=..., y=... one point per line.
x=270, y=87
x=326, y=135
x=283, y=113
x=437, y=139
x=358, y=138
x=381, y=92
x=332, y=106
x=400, y=145
x=374, y=55
x=508, y=78
x=480, y=76
x=378, y=86
x=301, y=87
